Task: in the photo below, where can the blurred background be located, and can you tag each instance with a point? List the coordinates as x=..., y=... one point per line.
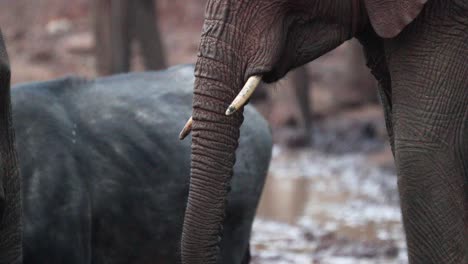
x=331, y=192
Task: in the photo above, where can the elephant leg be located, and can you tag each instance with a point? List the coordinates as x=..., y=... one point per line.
x=375, y=59
x=430, y=124
x=386, y=101
x=112, y=34
x=10, y=182
x=247, y=256
x=431, y=179
x=429, y=154
x=145, y=30
x=300, y=79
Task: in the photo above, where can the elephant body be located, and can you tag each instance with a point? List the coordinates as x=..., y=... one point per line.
x=105, y=178
x=416, y=49
x=10, y=183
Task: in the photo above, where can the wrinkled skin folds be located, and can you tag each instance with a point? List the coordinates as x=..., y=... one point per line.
x=416, y=49
x=10, y=197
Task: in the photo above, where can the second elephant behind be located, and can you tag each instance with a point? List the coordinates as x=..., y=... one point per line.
x=105, y=177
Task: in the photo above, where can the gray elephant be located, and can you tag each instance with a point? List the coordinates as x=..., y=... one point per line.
x=10, y=183
x=105, y=178
x=117, y=23
x=416, y=49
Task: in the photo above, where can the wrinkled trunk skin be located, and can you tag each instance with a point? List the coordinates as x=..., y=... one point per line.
x=214, y=141
x=10, y=197
x=219, y=77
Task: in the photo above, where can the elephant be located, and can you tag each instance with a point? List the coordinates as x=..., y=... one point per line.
x=105, y=178
x=10, y=182
x=118, y=22
x=417, y=51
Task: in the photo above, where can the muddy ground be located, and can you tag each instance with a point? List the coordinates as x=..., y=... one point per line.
x=333, y=203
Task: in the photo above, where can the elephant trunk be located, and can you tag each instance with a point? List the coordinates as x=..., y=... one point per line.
x=214, y=142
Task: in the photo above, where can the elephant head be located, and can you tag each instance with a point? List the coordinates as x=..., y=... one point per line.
x=10, y=196
x=243, y=42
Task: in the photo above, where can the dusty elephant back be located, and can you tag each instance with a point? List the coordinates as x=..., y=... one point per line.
x=105, y=177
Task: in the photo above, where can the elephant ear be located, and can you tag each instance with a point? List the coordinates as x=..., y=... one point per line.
x=389, y=17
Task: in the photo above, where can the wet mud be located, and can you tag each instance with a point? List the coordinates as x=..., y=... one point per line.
x=335, y=203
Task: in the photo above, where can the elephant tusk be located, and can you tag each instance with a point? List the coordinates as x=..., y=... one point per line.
x=244, y=95
x=186, y=130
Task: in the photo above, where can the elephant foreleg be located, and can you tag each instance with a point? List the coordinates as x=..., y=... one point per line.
x=145, y=29
x=429, y=154
x=247, y=256
x=386, y=101
x=376, y=61
x=301, y=85
x=10, y=195
x=112, y=34
x=430, y=113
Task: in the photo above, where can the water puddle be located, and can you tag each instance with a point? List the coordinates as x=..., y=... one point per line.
x=284, y=200
x=318, y=208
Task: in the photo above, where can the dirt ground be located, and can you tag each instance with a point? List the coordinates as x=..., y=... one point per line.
x=51, y=38
x=335, y=202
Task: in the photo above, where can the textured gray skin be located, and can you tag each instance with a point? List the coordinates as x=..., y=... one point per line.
x=418, y=54
x=10, y=194
x=105, y=177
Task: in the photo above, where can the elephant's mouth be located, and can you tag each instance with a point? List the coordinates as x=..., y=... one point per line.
x=238, y=102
